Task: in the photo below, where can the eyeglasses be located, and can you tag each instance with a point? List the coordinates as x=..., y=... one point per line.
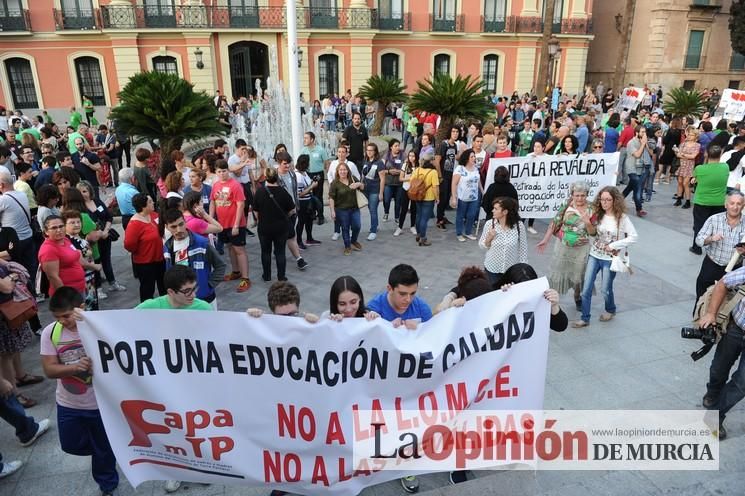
x=600, y=147
x=188, y=291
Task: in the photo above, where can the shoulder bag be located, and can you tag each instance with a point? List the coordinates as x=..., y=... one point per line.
x=37, y=233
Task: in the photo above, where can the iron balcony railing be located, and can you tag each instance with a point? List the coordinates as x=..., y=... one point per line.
x=14, y=21
x=78, y=19
x=448, y=23
x=246, y=17
x=518, y=24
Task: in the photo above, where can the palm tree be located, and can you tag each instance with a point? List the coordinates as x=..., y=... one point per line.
x=451, y=99
x=684, y=103
x=385, y=91
x=163, y=107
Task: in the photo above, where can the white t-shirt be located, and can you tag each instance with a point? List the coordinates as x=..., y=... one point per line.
x=331, y=175
x=468, y=185
x=736, y=175
x=243, y=178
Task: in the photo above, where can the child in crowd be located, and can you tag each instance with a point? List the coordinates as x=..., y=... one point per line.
x=63, y=357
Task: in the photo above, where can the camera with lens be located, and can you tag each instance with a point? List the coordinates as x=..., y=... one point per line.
x=707, y=335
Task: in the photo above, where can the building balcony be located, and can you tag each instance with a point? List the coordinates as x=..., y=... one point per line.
x=576, y=26
x=449, y=23
x=249, y=17
x=78, y=20
x=13, y=22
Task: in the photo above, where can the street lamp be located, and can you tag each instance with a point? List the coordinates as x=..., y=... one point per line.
x=299, y=58
x=554, y=52
x=198, y=54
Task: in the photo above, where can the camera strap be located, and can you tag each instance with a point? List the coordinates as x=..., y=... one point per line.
x=701, y=352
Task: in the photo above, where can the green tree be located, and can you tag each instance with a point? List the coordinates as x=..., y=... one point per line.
x=385, y=91
x=451, y=99
x=737, y=25
x=681, y=102
x=154, y=106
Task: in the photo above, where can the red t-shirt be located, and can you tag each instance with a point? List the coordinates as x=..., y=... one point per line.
x=627, y=134
x=70, y=270
x=226, y=196
x=143, y=241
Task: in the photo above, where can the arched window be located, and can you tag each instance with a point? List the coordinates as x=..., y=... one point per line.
x=328, y=75
x=489, y=75
x=165, y=64
x=90, y=83
x=21, y=81
x=442, y=64
x=389, y=66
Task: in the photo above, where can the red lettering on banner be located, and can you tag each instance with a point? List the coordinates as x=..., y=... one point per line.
x=376, y=417
x=141, y=430
x=289, y=422
x=319, y=472
x=502, y=380
x=281, y=468
x=457, y=400
x=334, y=432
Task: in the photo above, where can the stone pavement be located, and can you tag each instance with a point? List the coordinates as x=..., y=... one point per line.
x=636, y=361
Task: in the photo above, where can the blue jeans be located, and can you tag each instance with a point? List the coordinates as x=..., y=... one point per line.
x=13, y=413
x=424, y=211
x=81, y=433
x=635, y=186
x=465, y=215
x=595, y=266
x=729, y=349
x=349, y=218
x=392, y=192
x=373, y=199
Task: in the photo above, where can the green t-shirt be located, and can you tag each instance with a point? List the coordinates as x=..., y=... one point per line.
x=75, y=120
x=162, y=303
x=711, y=184
x=89, y=225
x=88, y=106
x=317, y=156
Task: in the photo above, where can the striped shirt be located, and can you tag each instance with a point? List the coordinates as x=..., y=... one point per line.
x=720, y=252
x=732, y=280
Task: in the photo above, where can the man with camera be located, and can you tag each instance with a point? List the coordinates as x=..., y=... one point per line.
x=721, y=394
x=719, y=237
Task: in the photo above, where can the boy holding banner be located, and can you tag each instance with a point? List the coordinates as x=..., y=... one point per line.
x=63, y=357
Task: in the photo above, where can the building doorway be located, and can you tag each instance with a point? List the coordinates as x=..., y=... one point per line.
x=249, y=60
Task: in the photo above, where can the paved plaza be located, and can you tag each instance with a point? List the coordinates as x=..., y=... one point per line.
x=636, y=361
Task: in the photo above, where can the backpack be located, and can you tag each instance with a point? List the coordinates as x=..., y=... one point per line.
x=724, y=314
x=418, y=188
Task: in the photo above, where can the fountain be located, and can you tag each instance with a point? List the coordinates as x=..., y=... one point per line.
x=269, y=124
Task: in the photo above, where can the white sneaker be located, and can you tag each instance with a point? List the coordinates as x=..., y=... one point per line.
x=532, y=231
x=371, y=236
x=471, y=237
x=335, y=236
x=43, y=427
x=385, y=217
x=397, y=232
x=115, y=286
x=413, y=230
x=172, y=486
x=101, y=294
x=461, y=238
x=10, y=467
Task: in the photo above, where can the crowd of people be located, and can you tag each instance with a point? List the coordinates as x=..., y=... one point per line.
x=180, y=215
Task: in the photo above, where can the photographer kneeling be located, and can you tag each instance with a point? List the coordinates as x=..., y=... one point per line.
x=721, y=394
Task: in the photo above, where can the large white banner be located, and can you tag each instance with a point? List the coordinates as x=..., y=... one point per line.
x=224, y=398
x=542, y=183
x=732, y=105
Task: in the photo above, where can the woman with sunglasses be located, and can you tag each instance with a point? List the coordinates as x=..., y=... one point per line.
x=597, y=146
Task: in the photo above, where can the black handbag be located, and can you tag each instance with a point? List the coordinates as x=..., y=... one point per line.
x=113, y=235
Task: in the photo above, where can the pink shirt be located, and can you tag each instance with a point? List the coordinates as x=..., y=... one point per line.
x=196, y=225
x=70, y=270
x=74, y=391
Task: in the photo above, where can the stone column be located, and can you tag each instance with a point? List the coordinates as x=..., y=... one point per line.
x=126, y=57
x=361, y=60
x=202, y=79
x=525, y=69
x=579, y=9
